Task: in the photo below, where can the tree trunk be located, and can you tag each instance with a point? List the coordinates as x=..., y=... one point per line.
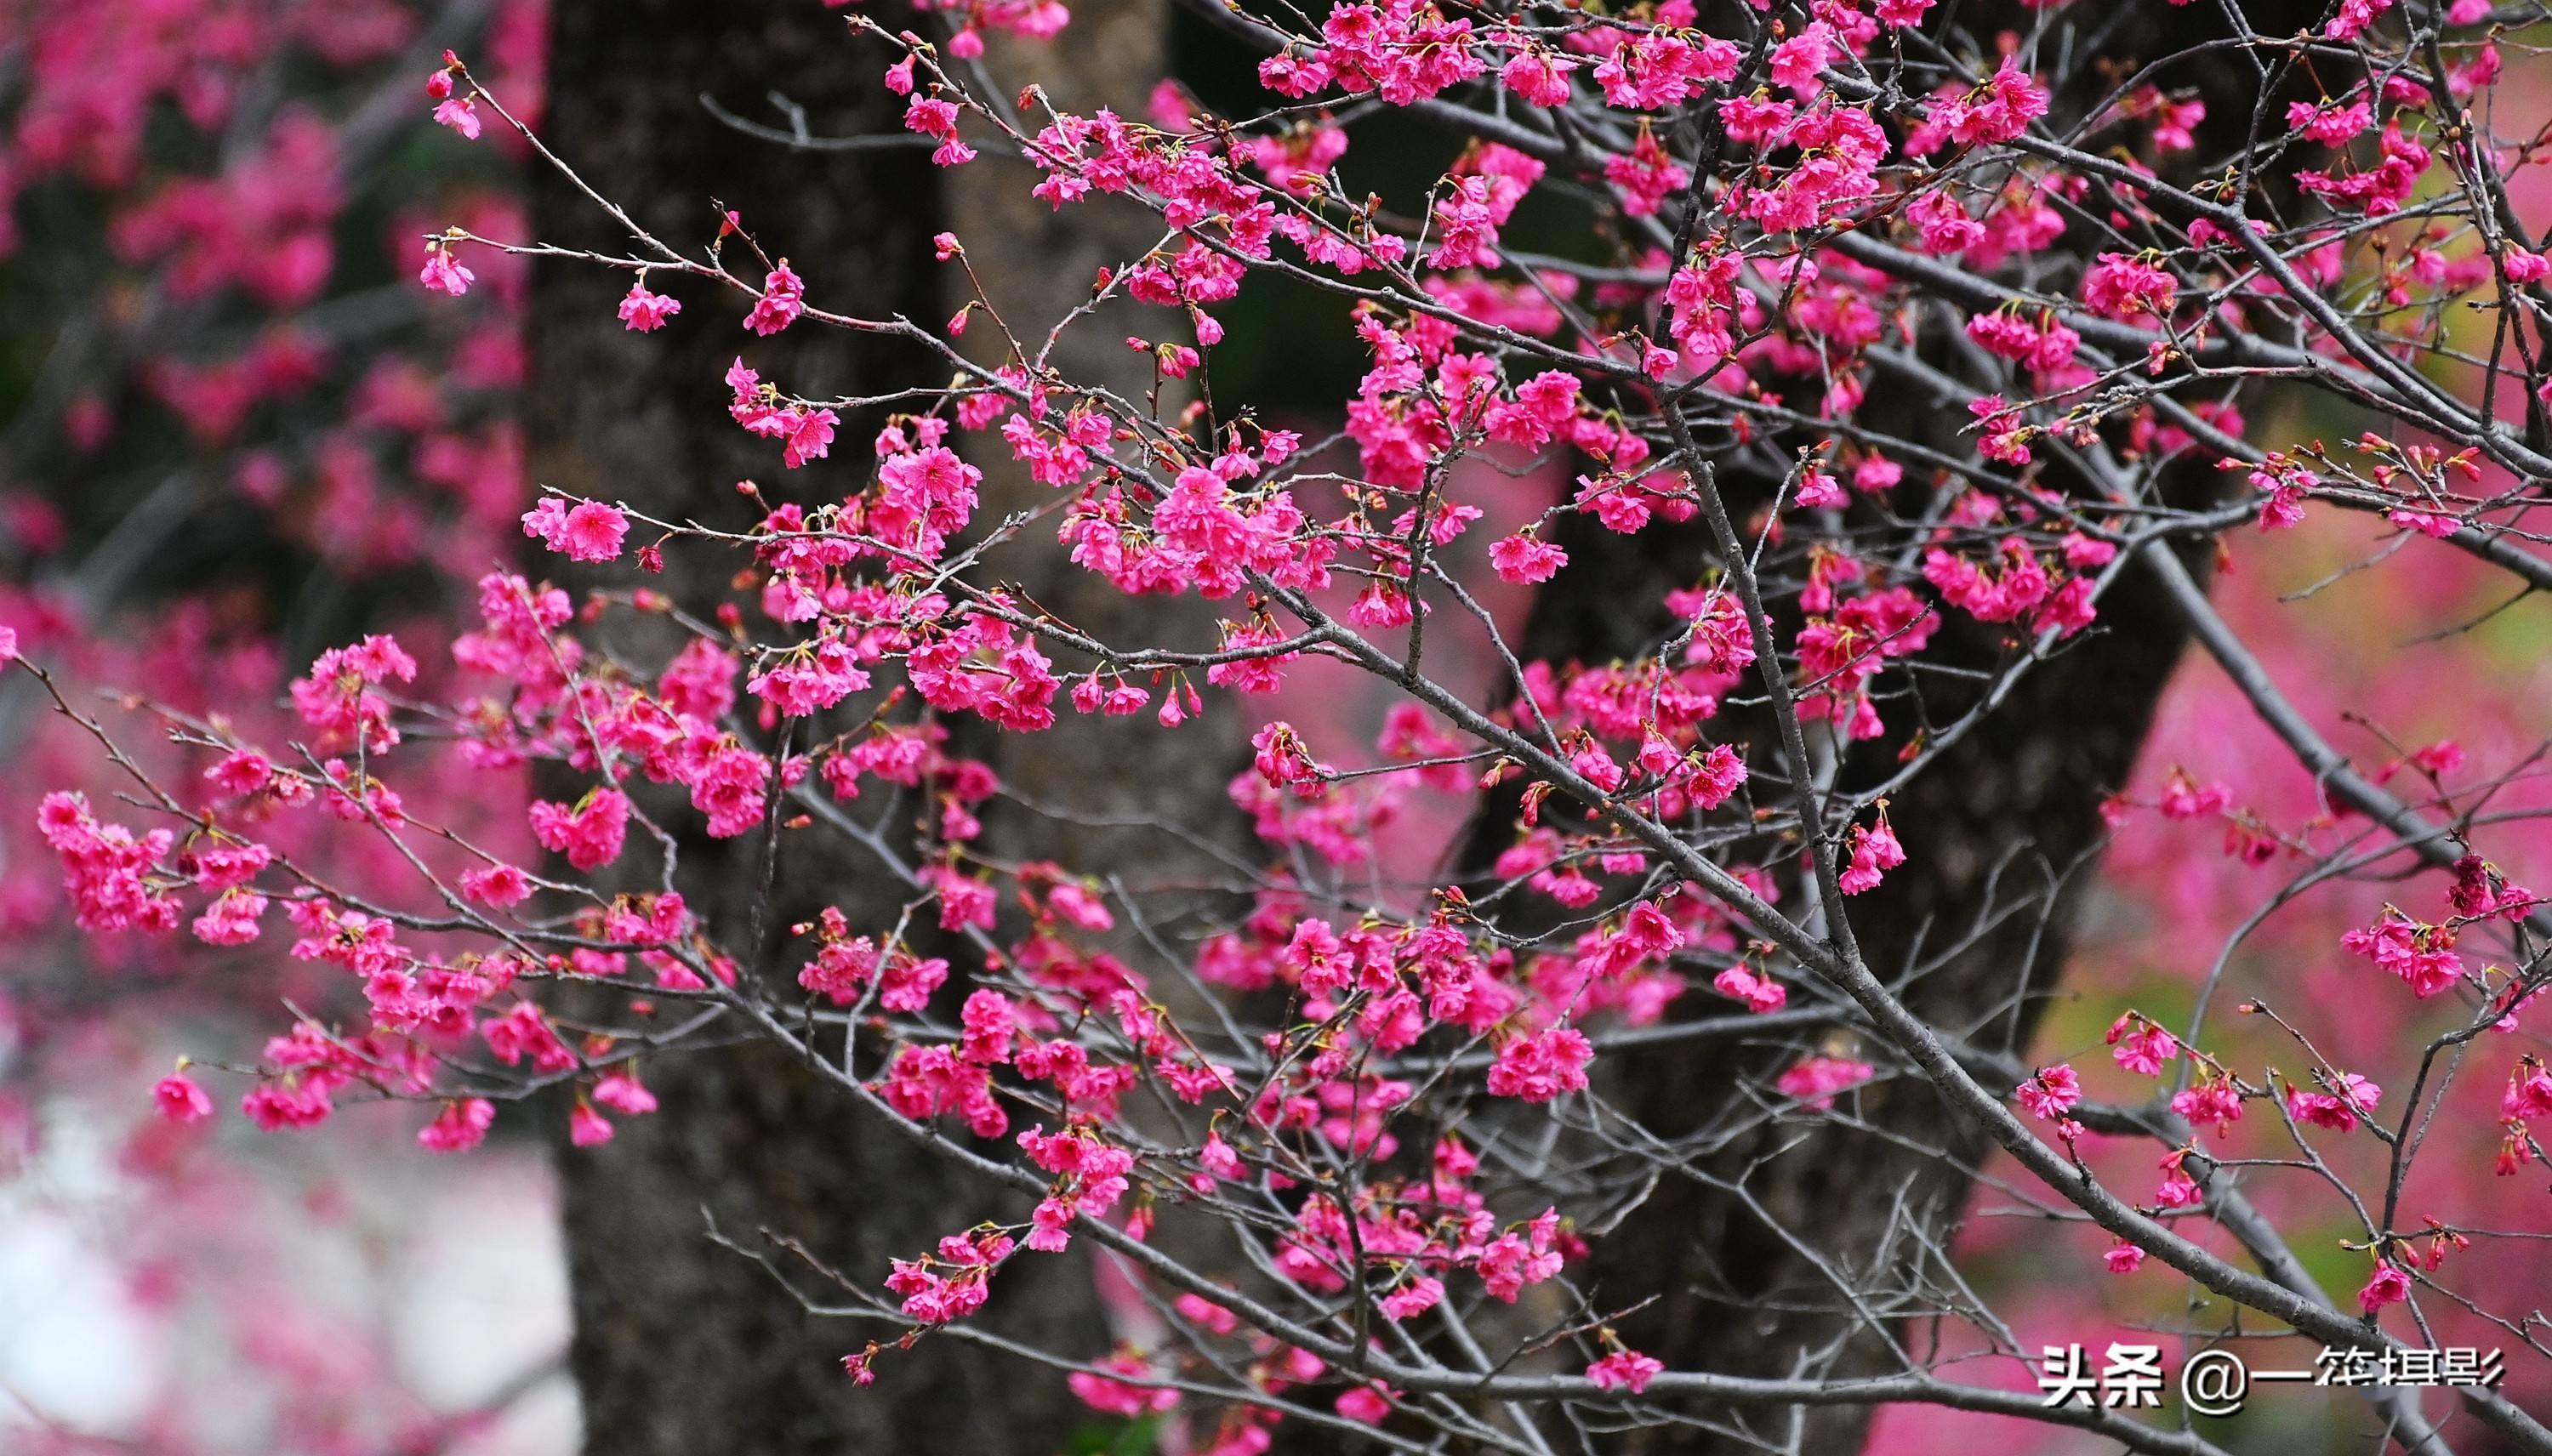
x=2011, y=809
x=683, y=1346
x=1109, y=783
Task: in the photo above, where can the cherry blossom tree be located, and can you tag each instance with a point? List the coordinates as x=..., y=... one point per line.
x=1526, y=911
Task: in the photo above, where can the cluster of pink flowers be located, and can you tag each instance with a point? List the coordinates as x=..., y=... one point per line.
x=2352, y=1097
x=1542, y=1067
x=588, y=530
x=107, y=868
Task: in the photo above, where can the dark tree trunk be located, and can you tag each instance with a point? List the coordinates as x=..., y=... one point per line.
x=1111, y=784
x=2015, y=803
x=2011, y=810
x=2017, y=800
x=683, y=1346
